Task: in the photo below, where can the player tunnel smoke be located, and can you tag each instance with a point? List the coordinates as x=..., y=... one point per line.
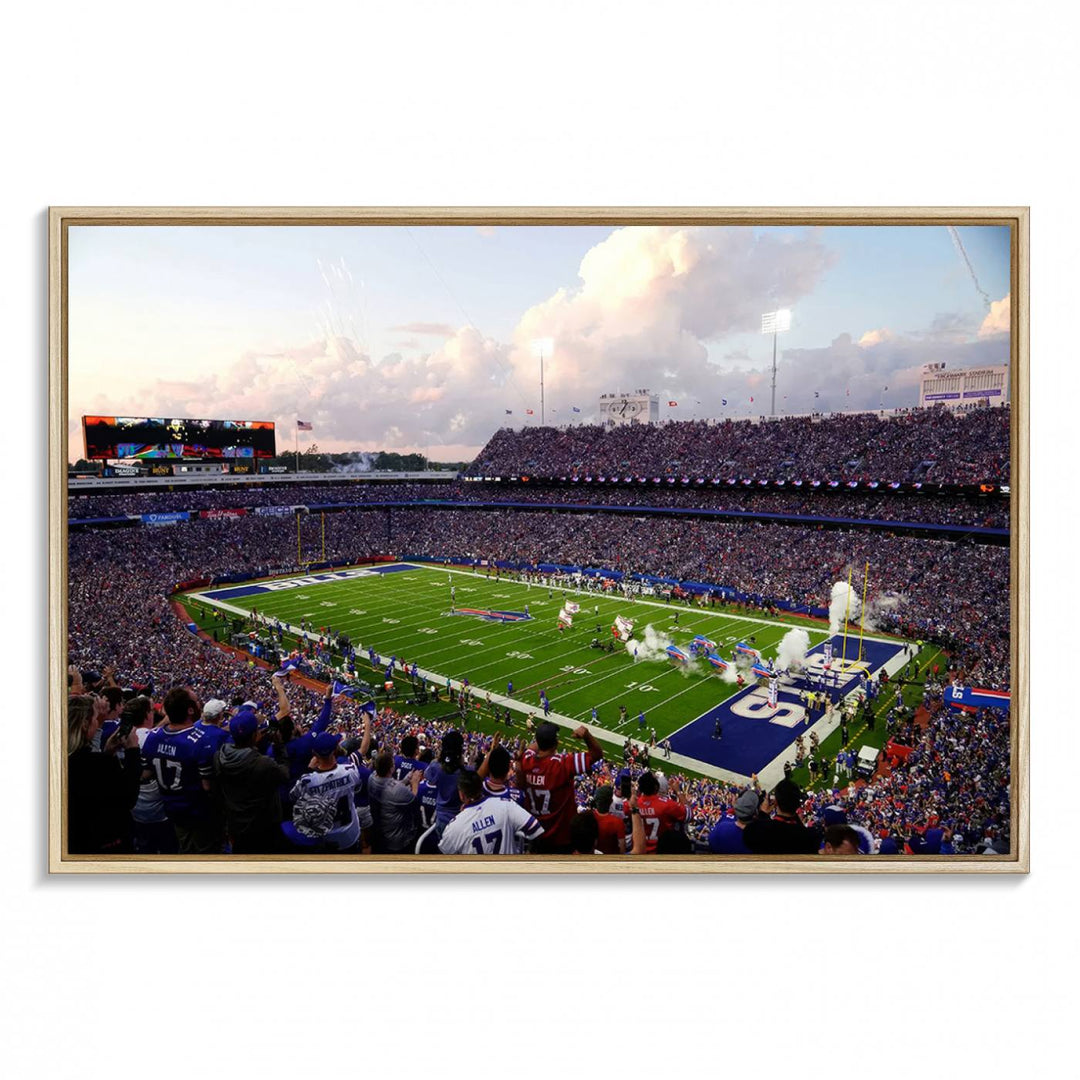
x=881, y=605
x=652, y=645
x=792, y=650
x=844, y=601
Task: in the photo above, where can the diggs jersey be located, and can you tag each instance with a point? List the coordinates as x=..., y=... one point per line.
x=325, y=808
x=549, y=790
x=658, y=815
x=428, y=795
x=447, y=799
x=490, y=827
x=180, y=760
x=404, y=767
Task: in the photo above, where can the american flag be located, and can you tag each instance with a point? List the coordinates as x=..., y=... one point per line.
x=302, y=425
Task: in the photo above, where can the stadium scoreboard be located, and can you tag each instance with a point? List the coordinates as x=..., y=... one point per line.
x=638, y=407
x=116, y=438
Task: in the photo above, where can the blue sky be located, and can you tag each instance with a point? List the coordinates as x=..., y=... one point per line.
x=390, y=337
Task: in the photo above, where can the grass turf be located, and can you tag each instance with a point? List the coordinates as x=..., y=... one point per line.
x=407, y=614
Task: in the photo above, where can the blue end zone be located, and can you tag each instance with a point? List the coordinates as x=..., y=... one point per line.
x=254, y=588
x=753, y=734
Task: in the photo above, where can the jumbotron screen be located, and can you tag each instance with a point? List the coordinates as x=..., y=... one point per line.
x=112, y=437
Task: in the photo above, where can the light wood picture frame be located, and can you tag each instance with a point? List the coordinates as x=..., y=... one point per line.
x=63, y=219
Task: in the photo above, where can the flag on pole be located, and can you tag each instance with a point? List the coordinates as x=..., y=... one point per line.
x=817, y=393
x=303, y=425
x=672, y=404
x=565, y=618
x=751, y=401
x=572, y=607
x=528, y=412
x=723, y=401
x=509, y=412
x=772, y=693
x=574, y=408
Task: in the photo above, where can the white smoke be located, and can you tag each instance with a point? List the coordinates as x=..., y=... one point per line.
x=844, y=601
x=652, y=645
x=730, y=674
x=792, y=650
x=881, y=605
x=358, y=461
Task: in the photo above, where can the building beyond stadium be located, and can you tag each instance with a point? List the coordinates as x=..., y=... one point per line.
x=970, y=386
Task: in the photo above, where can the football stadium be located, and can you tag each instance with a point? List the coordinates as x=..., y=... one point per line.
x=765, y=636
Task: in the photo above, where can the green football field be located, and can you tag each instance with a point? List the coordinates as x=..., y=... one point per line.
x=407, y=614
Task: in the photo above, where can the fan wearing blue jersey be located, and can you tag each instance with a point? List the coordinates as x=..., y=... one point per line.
x=443, y=777
x=406, y=763
x=487, y=826
x=179, y=756
x=300, y=740
x=212, y=722
x=427, y=793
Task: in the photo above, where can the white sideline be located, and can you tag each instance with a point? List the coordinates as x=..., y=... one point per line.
x=770, y=775
x=504, y=702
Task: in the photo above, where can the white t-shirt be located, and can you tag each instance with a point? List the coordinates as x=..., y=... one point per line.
x=493, y=826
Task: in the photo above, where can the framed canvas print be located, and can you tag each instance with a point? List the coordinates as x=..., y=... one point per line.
x=558, y=540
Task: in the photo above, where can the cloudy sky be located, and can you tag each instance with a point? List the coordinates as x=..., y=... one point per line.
x=421, y=338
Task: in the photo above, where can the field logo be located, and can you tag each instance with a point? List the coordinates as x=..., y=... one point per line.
x=492, y=616
x=316, y=579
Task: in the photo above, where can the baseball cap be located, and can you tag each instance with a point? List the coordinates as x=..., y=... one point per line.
x=213, y=709
x=325, y=744
x=835, y=815
x=250, y=705
x=746, y=805
x=243, y=724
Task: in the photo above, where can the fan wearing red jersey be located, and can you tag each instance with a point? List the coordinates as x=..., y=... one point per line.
x=659, y=814
x=547, y=779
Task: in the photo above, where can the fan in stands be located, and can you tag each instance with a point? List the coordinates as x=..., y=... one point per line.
x=180, y=742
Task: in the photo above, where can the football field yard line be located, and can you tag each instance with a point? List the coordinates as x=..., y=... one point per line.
x=450, y=653
x=418, y=595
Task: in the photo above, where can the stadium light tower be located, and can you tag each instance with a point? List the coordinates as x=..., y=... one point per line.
x=539, y=347
x=775, y=322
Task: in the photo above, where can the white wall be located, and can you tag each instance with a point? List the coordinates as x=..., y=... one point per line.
x=545, y=103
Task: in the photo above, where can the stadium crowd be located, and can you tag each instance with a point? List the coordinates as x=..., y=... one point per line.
x=177, y=744
x=939, y=590
x=937, y=444
x=921, y=508
x=945, y=591
x=198, y=775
